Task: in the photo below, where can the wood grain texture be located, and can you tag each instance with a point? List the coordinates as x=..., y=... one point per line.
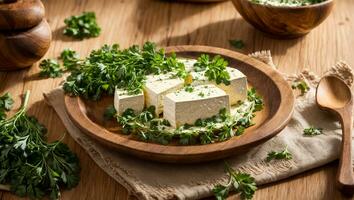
x=276, y=92
x=284, y=22
x=334, y=95
x=21, y=15
x=22, y=49
x=171, y=23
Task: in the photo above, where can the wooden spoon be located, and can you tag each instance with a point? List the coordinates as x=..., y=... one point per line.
x=334, y=95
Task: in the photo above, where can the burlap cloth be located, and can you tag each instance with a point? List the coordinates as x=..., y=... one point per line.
x=151, y=180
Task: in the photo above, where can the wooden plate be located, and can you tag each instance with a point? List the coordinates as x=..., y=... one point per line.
x=277, y=94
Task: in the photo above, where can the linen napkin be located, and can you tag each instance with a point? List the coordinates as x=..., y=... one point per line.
x=152, y=180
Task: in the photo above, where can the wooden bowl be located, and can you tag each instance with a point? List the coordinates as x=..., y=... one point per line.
x=21, y=15
x=22, y=49
x=284, y=22
x=277, y=94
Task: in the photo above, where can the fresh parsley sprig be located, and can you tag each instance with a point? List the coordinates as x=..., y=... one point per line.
x=282, y=155
x=242, y=183
x=30, y=165
x=6, y=103
x=215, y=69
x=50, y=68
x=312, y=131
x=82, y=26
x=302, y=86
x=71, y=59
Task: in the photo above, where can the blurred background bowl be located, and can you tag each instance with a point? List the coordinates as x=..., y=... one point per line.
x=281, y=21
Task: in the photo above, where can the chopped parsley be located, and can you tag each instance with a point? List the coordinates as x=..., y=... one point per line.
x=302, y=86
x=110, y=112
x=6, y=103
x=50, y=68
x=237, y=44
x=284, y=154
x=242, y=183
x=201, y=94
x=82, y=26
x=215, y=69
x=148, y=127
x=312, y=131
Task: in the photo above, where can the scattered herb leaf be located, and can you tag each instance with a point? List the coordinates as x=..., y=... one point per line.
x=50, y=68
x=201, y=94
x=240, y=182
x=312, y=131
x=6, y=103
x=237, y=44
x=82, y=26
x=31, y=166
x=302, y=86
x=70, y=58
x=285, y=154
x=189, y=88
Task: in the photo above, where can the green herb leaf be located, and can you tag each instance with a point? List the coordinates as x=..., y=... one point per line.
x=50, y=68
x=312, y=131
x=82, y=26
x=6, y=103
x=302, y=86
x=284, y=154
x=238, y=44
x=240, y=182
x=189, y=88
x=71, y=60
x=215, y=69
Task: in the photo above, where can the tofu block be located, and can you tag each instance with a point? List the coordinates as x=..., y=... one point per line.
x=123, y=101
x=183, y=107
x=237, y=90
x=157, y=86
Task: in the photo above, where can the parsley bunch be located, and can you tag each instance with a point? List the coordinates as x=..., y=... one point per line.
x=6, y=103
x=240, y=182
x=82, y=26
x=110, y=67
x=50, y=68
x=147, y=126
x=30, y=165
x=215, y=69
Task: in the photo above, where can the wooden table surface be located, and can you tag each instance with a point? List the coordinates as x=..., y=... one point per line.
x=167, y=23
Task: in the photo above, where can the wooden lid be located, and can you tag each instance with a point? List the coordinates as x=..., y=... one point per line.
x=21, y=14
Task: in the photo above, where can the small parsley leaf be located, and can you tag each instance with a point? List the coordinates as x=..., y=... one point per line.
x=238, y=44
x=110, y=112
x=302, y=86
x=284, y=154
x=82, y=26
x=50, y=68
x=312, y=131
x=6, y=103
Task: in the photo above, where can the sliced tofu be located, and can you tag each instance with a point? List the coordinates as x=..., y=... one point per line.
x=183, y=107
x=123, y=101
x=157, y=86
x=237, y=90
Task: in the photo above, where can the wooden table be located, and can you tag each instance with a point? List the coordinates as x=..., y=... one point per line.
x=130, y=22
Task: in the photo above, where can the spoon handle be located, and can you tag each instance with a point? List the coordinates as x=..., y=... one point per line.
x=345, y=175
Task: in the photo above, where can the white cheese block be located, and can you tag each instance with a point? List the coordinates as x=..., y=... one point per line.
x=183, y=107
x=157, y=86
x=237, y=90
x=123, y=101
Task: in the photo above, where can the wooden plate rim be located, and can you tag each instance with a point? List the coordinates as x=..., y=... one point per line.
x=269, y=129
